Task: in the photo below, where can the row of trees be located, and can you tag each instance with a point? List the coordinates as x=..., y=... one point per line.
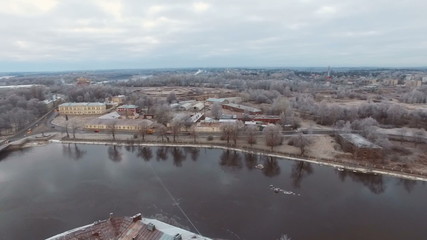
x=418, y=95
x=384, y=113
x=272, y=135
x=21, y=107
x=92, y=93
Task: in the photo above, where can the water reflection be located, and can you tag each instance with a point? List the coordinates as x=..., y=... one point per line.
x=194, y=153
x=130, y=148
x=251, y=160
x=162, y=153
x=74, y=152
x=114, y=153
x=177, y=156
x=300, y=170
x=145, y=153
x=231, y=160
x=407, y=184
x=271, y=166
x=225, y=181
x=4, y=154
x=374, y=183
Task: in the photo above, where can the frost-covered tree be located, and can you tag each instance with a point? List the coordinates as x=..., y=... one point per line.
x=273, y=136
x=301, y=141
x=216, y=110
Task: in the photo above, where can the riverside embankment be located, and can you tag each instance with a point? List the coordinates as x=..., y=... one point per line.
x=340, y=164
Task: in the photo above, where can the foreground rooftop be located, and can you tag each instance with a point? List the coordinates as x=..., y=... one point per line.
x=128, y=228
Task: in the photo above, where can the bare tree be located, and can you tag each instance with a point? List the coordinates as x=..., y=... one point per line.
x=176, y=126
x=74, y=128
x=216, y=110
x=365, y=126
x=235, y=134
x=251, y=132
x=346, y=127
x=273, y=136
x=282, y=119
x=280, y=105
x=161, y=131
x=66, y=130
x=144, y=127
x=227, y=131
x=112, y=128
x=144, y=102
x=171, y=97
x=230, y=131
x=148, y=103
x=163, y=114
x=396, y=115
x=301, y=141
x=193, y=133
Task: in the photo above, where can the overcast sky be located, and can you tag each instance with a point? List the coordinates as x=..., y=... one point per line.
x=102, y=34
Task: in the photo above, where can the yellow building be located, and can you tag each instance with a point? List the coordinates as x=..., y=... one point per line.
x=120, y=99
x=413, y=83
x=118, y=124
x=82, y=108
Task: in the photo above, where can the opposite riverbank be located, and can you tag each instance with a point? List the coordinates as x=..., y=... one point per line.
x=257, y=149
x=340, y=164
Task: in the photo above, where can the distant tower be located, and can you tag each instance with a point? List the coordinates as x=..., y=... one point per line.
x=329, y=73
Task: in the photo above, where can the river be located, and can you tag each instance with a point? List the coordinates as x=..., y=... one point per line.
x=53, y=188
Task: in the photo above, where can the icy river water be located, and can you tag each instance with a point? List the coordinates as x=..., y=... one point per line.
x=53, y=188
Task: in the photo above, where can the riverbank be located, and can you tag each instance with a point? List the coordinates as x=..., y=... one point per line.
x=340, y=164
x=31, y=141
x=216, y=142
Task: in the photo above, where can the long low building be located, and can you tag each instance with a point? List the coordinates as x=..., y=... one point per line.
x=82, y=108
x=241, y=108
x=224, y=100
x=118, y=124
x=190, y=105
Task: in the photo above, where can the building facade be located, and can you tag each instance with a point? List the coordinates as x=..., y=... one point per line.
x=82, y=108
x=128, y=109
x=119, y=99
x=120, y=124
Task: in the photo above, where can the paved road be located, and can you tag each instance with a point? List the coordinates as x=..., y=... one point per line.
x=34, y=126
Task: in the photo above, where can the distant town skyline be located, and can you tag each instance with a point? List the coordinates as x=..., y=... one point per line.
x=53, y=35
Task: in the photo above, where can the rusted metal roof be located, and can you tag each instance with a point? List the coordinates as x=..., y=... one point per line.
x=126, y=228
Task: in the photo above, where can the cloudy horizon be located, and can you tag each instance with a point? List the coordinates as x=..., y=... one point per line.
x=53, y=35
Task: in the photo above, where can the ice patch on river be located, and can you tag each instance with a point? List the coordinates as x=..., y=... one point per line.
x=279, y=190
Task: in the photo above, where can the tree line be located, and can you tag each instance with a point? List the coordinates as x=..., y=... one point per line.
x=20, y=107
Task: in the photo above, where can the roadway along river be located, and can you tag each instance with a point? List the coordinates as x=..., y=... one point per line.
x=50, y=189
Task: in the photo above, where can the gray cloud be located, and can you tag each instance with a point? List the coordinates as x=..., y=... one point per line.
x=71, y=34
